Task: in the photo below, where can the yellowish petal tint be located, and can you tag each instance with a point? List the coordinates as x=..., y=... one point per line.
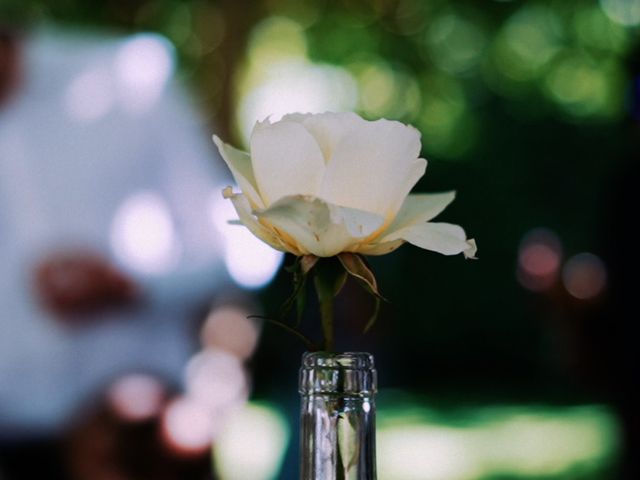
x=243, y=209
x=379, y=248
x=320, y=228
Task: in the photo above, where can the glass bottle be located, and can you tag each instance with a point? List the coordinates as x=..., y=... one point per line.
x=338, y=416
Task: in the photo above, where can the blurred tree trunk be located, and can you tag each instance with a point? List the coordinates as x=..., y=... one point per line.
x=240, y=17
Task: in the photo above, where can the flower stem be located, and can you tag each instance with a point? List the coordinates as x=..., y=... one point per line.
x=326, y=317
x=329, y=277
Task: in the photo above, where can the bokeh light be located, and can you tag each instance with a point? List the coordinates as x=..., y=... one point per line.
x=250, y=262
x=297, y=85
x=275, y=38
x=143, y=66
x=594, y=29
x=539, y=259
x=279, y=78
x=416, y=452
x=584, y=276
x=90, y=95
x=216, y=380
x=527, y=42
x=385, y=90
x=143, y=236
x=521, y=50
x=446, y=121
x=187, y=427
x=494, y=442
x=252, y=445
x=584, y=87
x=624, y=12
x=227, y=328
x=456, y=44
x=136, y=397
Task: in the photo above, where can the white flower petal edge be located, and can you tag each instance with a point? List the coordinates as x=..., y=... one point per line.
x=318, y=227
x=380, y=248
x=328, y=128
x=374, y=167
x=239, y=163
x=417, y=208
x=420, y=208
x=286, y=160
x=444, y=238
x=243, y=209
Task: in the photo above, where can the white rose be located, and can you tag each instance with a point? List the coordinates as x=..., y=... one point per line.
x=334, y=182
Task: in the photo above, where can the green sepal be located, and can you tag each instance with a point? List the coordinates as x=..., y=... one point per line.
x=307, y=262
x=356, y=266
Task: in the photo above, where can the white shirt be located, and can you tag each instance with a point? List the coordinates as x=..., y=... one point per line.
x=100, y=150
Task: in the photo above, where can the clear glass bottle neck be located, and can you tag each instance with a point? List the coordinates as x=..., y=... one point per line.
x=338, y=416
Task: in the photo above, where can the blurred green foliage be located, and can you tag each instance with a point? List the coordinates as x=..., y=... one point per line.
x=491, y=442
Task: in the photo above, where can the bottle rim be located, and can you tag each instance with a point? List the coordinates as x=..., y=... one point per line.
x=349, y=373
x=348, y=360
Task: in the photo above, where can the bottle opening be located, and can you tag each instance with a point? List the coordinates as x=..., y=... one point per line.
x=355, y=360
x=350, y=373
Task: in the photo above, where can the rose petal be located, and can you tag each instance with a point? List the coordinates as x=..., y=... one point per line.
x=239, y=163
x=296, y=117
x=472, y=250
x=243, y=209
x=330, y=128
x=318, y=227
x=380, y=248
x=443, y=238
x=374, y=167
x=286, y=160
x=420, y=208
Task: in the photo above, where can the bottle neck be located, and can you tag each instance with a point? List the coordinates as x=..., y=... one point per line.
x=338, y=417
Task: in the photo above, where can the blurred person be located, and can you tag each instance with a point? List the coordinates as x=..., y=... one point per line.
x=106, y=245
